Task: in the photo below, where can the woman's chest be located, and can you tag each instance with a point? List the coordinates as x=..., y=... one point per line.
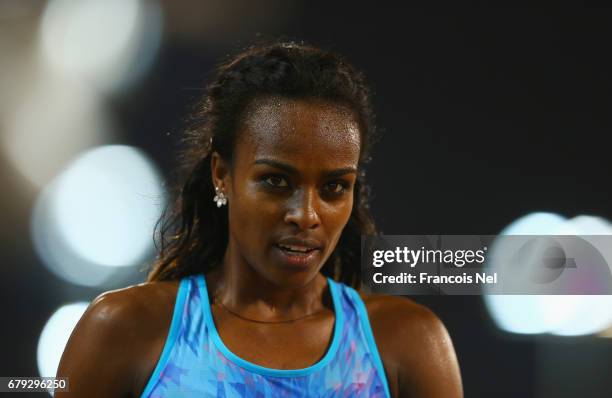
x=278, y=346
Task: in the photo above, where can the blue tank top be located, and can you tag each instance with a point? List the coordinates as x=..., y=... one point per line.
x=196, y=363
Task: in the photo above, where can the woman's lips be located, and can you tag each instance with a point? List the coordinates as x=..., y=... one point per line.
x=296, y=258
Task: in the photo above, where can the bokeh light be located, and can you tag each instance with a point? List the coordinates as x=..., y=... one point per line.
x=98, y=215
x=76, y=39
x=57, y=119
x=564, y=315
x=54, y=337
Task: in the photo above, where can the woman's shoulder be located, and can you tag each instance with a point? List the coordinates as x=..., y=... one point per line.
x=143, y=308
x=137, y=301
x=399, y=311
x=142, y=312
x=398, y=323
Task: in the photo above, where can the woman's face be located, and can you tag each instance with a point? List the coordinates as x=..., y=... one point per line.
x=290, y=189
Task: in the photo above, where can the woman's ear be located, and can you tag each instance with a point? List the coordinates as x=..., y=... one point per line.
x=219, y=172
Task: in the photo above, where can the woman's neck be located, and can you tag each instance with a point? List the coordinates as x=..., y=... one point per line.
x=240, y=287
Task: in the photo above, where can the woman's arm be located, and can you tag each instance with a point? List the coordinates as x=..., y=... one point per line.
x=429, y=367
x=97, y=358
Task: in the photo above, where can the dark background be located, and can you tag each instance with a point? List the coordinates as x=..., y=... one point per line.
x=486, y=115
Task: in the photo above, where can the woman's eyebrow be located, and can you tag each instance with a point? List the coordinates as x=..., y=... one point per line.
x=292, y=170
x=341, y=172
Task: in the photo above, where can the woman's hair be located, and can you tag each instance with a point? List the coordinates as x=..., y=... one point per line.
x=193, y=231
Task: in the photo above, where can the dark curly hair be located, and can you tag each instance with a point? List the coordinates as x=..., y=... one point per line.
x=193, y=232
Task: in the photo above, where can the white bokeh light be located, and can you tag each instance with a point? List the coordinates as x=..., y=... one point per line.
x=522, y=313
x=54, y=337
x=56, y=119
x=565, y=315
x=107, y=43
x=585, y=314
x=107, y=204
x=99, y=215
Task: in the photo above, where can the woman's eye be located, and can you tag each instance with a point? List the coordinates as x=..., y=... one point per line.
x=336, y=187
x=276, y=181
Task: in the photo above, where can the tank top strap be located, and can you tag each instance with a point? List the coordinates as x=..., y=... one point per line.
x=179, y=313
x=357, y=318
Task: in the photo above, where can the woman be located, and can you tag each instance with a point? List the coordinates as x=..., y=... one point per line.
x=252, y=294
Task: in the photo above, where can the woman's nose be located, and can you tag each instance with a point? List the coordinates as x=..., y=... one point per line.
x=303, y=209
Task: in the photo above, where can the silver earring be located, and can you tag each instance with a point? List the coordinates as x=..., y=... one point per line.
x=219, y=198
